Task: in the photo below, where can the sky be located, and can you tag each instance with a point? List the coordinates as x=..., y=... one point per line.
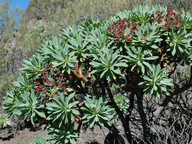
x=21, y=3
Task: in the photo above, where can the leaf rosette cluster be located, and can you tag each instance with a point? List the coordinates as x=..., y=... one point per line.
x=72, y=77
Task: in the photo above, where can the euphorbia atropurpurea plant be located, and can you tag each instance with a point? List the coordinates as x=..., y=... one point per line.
x=80, y=76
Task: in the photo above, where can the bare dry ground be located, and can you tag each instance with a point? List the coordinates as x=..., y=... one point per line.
x=24, y=136
x=27, y=136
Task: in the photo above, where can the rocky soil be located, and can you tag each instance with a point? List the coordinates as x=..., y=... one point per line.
x=27, y=135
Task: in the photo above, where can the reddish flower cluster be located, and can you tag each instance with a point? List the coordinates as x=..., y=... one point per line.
x=39, y=87
x=49, y=79
x=172, y=20
x=159, y=17
x=118, y=30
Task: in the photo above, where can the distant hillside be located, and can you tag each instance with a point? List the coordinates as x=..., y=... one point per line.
x=73, y=11
x=54, y=9
x=37, y=9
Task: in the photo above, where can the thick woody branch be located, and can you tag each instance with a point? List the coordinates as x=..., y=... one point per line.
x=79, y=76
x=119, y=112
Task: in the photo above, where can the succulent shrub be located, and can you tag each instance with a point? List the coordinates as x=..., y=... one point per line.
x=39, y=140
x=94, y=71
x=97, y=112
x=4, y=121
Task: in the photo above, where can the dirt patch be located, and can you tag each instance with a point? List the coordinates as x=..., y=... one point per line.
x=93, y=136
x=24, y=136
x=27, y=136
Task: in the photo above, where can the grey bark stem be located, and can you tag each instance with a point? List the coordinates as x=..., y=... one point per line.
x=142, y=115
x=120, y=114
x=116, y=133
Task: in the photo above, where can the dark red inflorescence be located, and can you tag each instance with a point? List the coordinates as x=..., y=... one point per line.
x=172, y=20
x=119, y=28
x=48, y=80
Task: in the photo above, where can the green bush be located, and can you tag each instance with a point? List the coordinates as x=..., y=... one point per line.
x=41, y=140
x=26, y=35
x=71, y=78
x=4, y=122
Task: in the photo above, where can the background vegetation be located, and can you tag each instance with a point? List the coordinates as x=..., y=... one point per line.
x=135, y=55
x=19, y=39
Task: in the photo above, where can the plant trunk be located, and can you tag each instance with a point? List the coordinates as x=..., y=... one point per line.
x=115, y=132
x=120, y=114
x=142, y=115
